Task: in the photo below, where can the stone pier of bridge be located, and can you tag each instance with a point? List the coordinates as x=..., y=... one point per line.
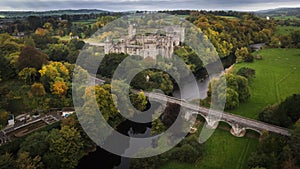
x=238, y=130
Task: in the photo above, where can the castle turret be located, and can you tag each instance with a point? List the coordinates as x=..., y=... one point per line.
x=107, y=45
x=131, y=31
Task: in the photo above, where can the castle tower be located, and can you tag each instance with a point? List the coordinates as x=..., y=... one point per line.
x=131, y=31
x=107, y=46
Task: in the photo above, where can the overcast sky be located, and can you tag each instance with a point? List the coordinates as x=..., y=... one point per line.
x=127, y=5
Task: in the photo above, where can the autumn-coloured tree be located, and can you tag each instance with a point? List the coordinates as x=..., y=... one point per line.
x=55, y=71
x=241, y=54
x=31, y=58
x=41, y=32
x=59, y=88
x=37, y=89
x=24, y=161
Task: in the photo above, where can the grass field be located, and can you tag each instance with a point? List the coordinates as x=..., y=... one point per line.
x=229, y=17
x=285, y=30
x=86, y=22
x=222, y=151
x=277, y=77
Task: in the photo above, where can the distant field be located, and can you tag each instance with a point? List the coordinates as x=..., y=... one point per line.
x=229, y=17
x=222, y=151
x=277, y=77
x=64, y=38
x=86, y=22
x=285, y=30
x=285, y=17
x=2, y=16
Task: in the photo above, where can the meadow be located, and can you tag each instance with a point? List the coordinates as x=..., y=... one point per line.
x=222, y=151
x=277, y=77
x=286, y=30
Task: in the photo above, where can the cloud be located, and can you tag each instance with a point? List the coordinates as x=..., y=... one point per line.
x=125, y=5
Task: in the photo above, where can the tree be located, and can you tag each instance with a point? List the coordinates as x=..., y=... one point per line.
x=28, y=41
x=7, y=161
x=31, y=58
x=295, y=143
x=59, y=88
x=241, y=54
x=237, y=90
x=275, y=42
x=246, y=72
x=35, y=144
x=243, y=89
x=139, y=101
x=24, y=161
x=37, y=89
x=57, y=52
x=66, y=145
x=283, y=114
x=157, y=127
x=110, y=63
x=4, y=116
x=232, y=99
x=55, y=71
x=28, y=75
x=41, y=32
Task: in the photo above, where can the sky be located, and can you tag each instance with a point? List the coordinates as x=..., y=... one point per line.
x=150, y=5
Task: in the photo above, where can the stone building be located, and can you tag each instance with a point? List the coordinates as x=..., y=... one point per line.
x=149, y=45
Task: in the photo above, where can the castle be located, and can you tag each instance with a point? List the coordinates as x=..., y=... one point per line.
x=149, y=45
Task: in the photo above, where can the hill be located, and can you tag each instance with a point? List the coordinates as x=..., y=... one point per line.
x=12, y=14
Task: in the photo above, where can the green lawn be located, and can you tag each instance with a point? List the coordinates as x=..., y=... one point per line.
x=222, y=151
x=277, y=77
x=285, y=30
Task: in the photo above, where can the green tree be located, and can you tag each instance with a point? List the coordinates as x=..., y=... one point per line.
x=35, y=144
x=243, y=89
x=4, y=115
x=57, y=52
x=139, y=101
x=28, y=41
x=157, y=127
x=7, y=161
x=295, y=143
x=28, y=75
x=66, y=144
x=241, y=54
x=232, y=99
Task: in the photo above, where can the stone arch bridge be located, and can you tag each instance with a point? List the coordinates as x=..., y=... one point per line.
x=239, y=124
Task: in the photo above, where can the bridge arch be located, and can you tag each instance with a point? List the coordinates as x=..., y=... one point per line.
x=255, y=130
